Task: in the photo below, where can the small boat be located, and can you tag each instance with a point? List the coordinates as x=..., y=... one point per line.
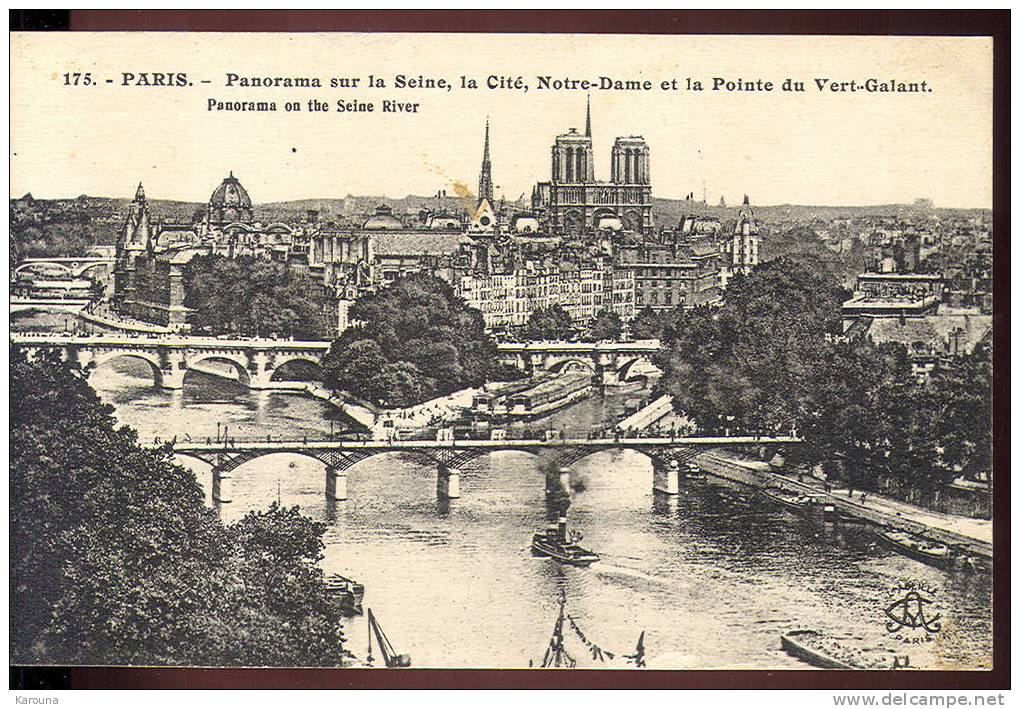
x=389, y=655
x=827, y=653
x=806, y=645
x=694, y=472
x=918, y=548
x=789, y=500
x=349, y=592
x=553, y=542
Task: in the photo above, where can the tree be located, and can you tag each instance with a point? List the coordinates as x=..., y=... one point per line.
x=417, y=340
x=552, y=323
x=606, y=325
x=115, y=559
x=650, y=324
x=746, y=364
x=255, y=297
x=401, y=384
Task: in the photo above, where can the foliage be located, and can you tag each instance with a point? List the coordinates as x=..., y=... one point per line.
x=606, y=325
x=552, y=323
x=251, y=296
x=750, y=358
x=416, y=341
x=115, y=559
x=802, y=245
x=650, y=324
x=772, y=359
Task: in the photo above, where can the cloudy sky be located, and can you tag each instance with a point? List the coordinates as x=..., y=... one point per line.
x=811, y=147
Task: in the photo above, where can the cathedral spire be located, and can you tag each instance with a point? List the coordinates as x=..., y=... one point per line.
x=587, y=118
x=485, y=178
x=140, y=193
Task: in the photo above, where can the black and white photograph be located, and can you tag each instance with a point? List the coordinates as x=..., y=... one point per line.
x=503, y=351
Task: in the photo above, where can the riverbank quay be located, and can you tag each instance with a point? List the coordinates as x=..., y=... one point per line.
x=429, y=414
x=127, y=325
x=974, y=536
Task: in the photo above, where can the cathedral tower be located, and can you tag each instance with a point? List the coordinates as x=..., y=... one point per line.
x=485, y=178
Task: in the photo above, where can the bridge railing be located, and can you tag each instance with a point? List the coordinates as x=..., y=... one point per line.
x=509, y=433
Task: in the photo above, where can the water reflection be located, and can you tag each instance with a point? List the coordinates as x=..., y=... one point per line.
x=712, y=576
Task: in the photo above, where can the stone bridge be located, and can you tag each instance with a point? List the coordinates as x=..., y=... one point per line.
x=64, y=267
x=254, y=361
x=667, y=454
x=614, y=362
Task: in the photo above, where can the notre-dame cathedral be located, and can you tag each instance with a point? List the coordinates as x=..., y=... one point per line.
x=574, y=202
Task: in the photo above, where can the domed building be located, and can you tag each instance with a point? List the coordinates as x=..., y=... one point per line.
x=229, y=203
x=383, y=220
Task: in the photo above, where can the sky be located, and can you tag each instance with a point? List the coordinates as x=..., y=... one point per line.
x=811, y=147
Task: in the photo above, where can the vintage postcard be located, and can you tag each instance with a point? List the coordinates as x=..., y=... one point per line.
x=351, y=350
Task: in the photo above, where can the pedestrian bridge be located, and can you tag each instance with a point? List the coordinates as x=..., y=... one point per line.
x=667, y=453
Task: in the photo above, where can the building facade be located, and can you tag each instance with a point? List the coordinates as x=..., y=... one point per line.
x=574, y=202
x=740, y=250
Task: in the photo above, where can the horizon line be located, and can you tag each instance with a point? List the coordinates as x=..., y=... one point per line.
x=733, y=205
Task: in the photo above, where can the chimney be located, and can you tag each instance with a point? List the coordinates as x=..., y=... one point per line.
x=561, y=530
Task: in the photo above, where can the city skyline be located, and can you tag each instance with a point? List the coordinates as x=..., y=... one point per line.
x=805, y=149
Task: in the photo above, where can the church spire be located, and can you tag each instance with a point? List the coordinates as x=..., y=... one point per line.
x=485, y=178
x=587, y=118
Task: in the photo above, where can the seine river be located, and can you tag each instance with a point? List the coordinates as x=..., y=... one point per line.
x=711, y=581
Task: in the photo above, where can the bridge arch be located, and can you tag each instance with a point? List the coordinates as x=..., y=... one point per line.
x=101, y=358
x=237, y=362
x=82, y=270
x=298, y=363
x=631, y=369
x=44, y=266
x=576, y=364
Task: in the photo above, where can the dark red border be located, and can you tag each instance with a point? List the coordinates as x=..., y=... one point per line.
x=993, y=23
x=576, y=21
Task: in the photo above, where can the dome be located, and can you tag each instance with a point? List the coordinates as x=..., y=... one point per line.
x=383, y=219
x=230, y=202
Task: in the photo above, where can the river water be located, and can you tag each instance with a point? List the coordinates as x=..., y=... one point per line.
x=712, y=582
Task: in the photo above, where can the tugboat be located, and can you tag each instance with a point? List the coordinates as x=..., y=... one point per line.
x=554, y=543
x=349, y=592
x=907, y=544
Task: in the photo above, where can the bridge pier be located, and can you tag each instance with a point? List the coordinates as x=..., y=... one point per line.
x=448, y=483
x=260, y=378
x=172, y=378
x=336, y=484
x=217, y=486
x=666, y=477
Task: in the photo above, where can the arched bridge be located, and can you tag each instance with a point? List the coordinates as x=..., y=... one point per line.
x=666, y=453
x=64, y=267
x=254, y=361
x=613, y=361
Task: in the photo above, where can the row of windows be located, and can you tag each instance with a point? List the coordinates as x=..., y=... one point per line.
x=666, y=300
